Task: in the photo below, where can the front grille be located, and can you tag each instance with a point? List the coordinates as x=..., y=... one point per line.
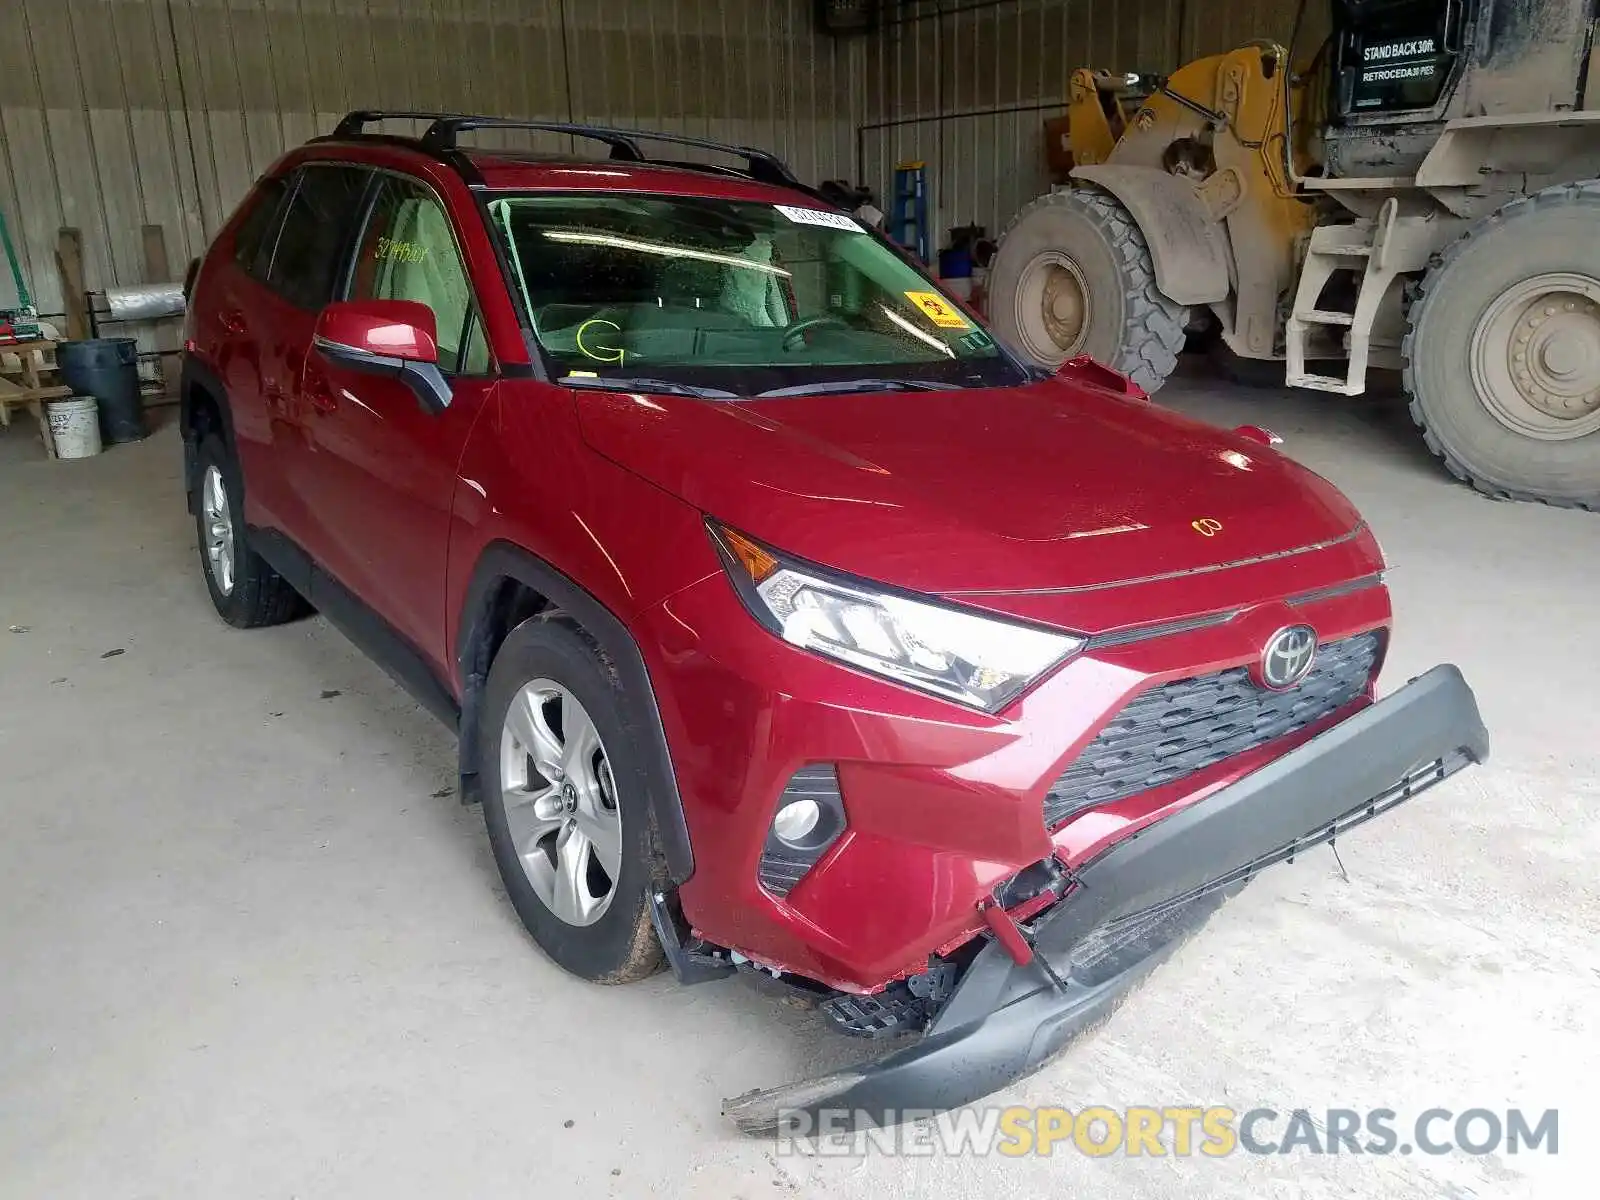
x=1174, y=730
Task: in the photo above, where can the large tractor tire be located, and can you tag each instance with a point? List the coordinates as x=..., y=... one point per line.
x=1502, y=357
x=1073, y=276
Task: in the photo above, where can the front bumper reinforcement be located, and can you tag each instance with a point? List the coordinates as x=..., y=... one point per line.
x=1134, y=904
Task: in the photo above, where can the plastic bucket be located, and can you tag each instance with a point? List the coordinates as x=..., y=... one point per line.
x=108, y=370
x=955, y=264
x=74, y=426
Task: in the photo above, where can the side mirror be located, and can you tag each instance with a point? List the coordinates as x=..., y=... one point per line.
x=386, y=337
x=1257, y=433
x=1082, y=367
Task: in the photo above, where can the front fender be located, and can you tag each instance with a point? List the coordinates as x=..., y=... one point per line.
x=1189, y=250
x=502, y=561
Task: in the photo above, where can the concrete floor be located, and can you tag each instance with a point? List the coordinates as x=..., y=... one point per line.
x=250, y=944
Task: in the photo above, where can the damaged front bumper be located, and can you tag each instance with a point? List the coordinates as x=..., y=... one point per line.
x=1134, y=904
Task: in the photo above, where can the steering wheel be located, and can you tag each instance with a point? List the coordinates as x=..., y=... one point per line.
x=799, y=329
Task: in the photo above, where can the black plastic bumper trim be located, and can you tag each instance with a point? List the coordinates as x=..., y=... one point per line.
x=1135, y=903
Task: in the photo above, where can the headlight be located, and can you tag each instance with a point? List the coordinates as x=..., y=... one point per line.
x=950, y=652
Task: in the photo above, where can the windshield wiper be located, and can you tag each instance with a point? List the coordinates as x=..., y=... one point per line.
x=863, y=385
x=609, y=383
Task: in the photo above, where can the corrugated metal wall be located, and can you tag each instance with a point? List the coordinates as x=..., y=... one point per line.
x=115, y=114
x=119, y=113
x=968, y=92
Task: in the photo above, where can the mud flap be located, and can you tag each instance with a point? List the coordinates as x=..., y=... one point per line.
x=1134, y=904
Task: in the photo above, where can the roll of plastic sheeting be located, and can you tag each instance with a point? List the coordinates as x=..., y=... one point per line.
x=148, y=302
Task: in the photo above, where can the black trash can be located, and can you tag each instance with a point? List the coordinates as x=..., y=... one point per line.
x=108, y=370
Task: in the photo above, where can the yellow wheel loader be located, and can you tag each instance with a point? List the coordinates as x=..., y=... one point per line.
x=1423, y=194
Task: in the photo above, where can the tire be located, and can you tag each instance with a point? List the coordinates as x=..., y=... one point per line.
x=1082, y=247
x=618, y=943
x=1486, y=416
x=248, y=594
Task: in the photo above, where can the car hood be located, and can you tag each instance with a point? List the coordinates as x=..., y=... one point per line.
x=1052, y=485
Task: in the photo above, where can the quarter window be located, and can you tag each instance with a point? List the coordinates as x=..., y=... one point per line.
x=475, y=358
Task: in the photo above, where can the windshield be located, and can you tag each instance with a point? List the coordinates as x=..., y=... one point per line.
x=738, y=297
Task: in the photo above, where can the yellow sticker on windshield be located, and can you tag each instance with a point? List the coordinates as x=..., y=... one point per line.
x=938, y=310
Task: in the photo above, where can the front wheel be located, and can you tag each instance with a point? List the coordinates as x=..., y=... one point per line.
x=565, y=801
x=1502, y=357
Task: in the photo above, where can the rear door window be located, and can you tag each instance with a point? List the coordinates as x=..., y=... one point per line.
x=317, y=226
x=258, y=231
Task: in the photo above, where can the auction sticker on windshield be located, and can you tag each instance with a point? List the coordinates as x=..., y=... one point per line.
x=938, y=310
x=815, y=216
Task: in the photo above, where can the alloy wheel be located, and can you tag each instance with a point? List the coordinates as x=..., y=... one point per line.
x=218, y=519
x=561, y=802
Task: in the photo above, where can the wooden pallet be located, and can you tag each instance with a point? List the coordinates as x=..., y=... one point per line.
x=23, y=368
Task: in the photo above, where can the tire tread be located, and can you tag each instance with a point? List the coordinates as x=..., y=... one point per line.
x=1153, y=325
x=261, y=597
x=1435, y=277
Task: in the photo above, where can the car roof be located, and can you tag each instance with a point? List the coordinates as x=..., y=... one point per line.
x=504, y=170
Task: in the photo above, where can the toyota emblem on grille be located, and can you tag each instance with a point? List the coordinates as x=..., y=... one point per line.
x=1288, y=656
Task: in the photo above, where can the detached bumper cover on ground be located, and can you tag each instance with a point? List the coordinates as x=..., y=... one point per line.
x=1134, y=904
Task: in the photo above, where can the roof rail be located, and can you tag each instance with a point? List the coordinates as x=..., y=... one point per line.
x=355, y=124
x=761, y=166
x=444, y=129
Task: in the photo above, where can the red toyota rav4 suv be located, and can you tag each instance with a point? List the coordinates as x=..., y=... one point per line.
x=788, y=621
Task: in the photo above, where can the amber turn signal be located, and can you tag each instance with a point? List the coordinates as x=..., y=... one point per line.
x=758, y=562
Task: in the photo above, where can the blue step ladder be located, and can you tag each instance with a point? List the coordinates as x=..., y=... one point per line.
x=908, y=212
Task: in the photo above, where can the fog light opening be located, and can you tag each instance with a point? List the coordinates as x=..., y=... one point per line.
x=808, y=819
x=796, y=822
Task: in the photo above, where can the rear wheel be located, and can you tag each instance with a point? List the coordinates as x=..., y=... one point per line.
x=1073, y=275
x=246, y=592
x=1502, y=357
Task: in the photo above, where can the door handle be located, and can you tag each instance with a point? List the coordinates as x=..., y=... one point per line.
x=232, y=320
